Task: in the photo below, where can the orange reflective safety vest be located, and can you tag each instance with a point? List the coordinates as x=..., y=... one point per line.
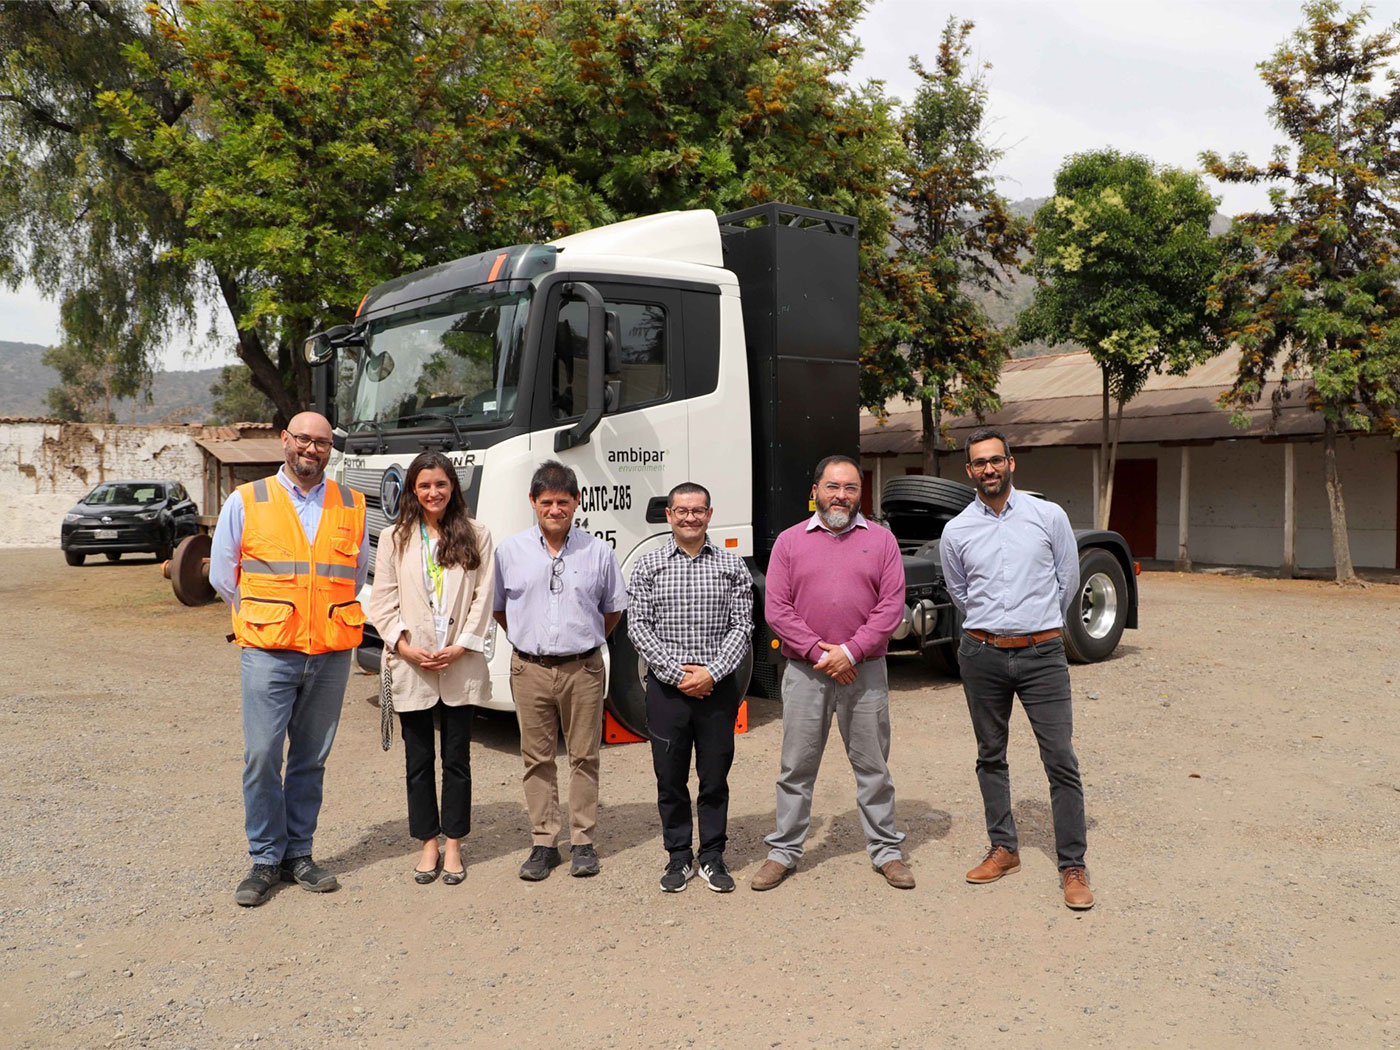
x=293, y=594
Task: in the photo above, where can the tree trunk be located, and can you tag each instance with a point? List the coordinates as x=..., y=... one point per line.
x=1341, y=544
x=1106, y=471
x=263, y=374
x=1112, y=465
x=929, y=425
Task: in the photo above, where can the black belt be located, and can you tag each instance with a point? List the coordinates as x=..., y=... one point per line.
x=553, y=661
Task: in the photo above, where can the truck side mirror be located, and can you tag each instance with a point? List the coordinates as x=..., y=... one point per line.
x=597, y=388
x=318, y=349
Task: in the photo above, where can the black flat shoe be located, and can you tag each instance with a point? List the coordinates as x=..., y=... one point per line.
x=453, y=878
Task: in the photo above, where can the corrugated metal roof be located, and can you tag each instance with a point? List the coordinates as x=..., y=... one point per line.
x=241, y=449
x=1057, y=400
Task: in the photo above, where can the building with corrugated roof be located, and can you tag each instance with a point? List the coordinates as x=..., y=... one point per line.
x=1189, y=486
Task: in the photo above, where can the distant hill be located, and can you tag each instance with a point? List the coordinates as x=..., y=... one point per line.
x=177, y=397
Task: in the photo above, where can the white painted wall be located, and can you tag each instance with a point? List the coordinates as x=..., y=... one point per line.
x=1236, y=502
x=47, y=467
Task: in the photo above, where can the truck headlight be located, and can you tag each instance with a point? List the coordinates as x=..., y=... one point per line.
x=924, y=617
x=902, y=631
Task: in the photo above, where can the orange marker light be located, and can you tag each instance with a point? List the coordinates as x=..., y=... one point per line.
x=1137, y=568
x=496, y=266
x=731, y=542
x=774, y=643
x=362, y=305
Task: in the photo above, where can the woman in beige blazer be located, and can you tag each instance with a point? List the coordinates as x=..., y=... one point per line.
x=433, y=589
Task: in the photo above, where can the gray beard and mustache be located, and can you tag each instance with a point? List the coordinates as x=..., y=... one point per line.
x=835, y=518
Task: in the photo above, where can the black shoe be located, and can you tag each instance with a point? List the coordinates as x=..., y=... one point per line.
x=537, y=866
x=253, y=890
x=309, y=874
x=678, y=873
x=716, y=875
x=585, y=861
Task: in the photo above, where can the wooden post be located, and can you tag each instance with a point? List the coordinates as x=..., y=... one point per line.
x=1094, y=501
x=1183, y=514
x=1290, y=514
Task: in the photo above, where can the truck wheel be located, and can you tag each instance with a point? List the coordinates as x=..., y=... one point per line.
x=1095, y=622
x=74, y=557
x=940, y=494
x=627, y=692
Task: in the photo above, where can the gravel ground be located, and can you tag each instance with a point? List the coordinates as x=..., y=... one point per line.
x=1242, y=776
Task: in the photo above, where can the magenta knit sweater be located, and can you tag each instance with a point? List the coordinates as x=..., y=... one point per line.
x=844, y=590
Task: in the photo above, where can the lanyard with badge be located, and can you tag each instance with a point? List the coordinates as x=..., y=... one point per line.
x=433, y=574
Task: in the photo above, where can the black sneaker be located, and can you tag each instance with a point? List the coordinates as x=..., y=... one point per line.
x=716, y=875
x=253, y=890
x=678, y=873
x=538, y=864
x=585, y=861
x=309, y=874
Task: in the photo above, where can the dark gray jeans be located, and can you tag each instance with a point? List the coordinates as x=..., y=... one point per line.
x=1039, y=675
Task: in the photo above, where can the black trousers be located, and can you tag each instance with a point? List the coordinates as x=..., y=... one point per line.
x=456, y=737
x=1039, y=675
x=678, y=725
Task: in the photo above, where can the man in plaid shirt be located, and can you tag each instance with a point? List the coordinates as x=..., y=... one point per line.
x=690, y=615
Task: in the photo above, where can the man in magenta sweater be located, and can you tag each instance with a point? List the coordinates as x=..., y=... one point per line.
x=835, y=593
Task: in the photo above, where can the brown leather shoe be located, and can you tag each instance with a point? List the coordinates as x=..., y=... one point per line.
x=998, y=862
x=897, y=874
x=768, y=876
x=1076, y=886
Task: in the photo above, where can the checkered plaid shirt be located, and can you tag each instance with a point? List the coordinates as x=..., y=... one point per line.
x=684, y=610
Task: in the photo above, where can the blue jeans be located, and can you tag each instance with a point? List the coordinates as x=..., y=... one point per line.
x=290, y=700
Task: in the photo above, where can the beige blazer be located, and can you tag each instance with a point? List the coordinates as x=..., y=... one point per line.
x=400, y=606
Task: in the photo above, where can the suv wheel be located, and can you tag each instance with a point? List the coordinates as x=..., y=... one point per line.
x=74, y=557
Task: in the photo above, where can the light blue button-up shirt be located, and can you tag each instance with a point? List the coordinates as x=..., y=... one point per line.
x=1015, y=572
x=225, y=553
x=567, y=618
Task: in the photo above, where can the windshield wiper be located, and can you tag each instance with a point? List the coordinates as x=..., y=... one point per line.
x=382, y=444
x=449, y=420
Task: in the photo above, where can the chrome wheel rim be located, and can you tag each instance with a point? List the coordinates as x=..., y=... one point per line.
x=1098, y=605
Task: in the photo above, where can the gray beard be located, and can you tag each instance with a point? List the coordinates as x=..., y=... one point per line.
x=835, y=519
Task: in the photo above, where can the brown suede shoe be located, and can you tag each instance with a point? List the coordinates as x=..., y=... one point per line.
x=768, y=876
x=897, y=874
x=999, y=861
x=1076, y=886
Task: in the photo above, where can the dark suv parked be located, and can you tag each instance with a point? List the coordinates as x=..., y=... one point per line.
x=123, y=517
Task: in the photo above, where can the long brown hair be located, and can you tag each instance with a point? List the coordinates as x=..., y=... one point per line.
x=457, y=544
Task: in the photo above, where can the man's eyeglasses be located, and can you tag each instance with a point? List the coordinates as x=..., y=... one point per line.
x=980, y=465
x=688, y=512
x=831, y=488
x=556, y=574
x=305, y=441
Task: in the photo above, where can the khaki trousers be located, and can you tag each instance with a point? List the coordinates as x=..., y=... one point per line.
x=548, y=699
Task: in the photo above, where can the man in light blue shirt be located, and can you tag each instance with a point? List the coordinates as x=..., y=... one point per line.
x=559, y=594
x=1011, y=565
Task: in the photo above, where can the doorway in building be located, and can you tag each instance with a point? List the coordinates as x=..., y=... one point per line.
x=1134, y=510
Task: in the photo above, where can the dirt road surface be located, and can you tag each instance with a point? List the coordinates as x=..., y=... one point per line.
x=1243, y=784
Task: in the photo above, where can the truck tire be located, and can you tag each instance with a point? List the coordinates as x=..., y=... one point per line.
x=939, y=495
x=1095, y=622
x=627, y=692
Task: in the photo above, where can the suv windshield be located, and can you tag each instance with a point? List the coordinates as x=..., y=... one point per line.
x=125, y=493
x=454, y=363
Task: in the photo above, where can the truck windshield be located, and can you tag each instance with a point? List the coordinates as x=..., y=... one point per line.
x=454, y=363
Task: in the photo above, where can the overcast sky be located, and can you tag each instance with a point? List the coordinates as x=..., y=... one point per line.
x=1166, y=78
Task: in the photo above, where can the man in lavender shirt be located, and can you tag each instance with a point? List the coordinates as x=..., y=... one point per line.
x=835, y=593
x=559, y=594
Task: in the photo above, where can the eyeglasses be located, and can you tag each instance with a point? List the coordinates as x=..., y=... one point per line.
x=980, y=465
x=688, y=512
x=556, y=574
x=831, y=488
x=305, y=441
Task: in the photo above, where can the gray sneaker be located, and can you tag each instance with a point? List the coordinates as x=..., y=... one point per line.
x=585, y=861
x=253, y=890
x=678, y=873
x=716, y=875
x=539, y=863
x=308, y=874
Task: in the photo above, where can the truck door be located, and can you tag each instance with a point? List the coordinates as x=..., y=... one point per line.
x=638, y=451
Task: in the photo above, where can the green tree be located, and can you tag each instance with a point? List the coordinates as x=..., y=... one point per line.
x=1124, y=258
x=284, y=157
x=236, y=400
x=952, y=232
x=83, y=393
x=1310, y=289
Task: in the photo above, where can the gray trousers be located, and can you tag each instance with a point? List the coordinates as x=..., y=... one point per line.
x=1039, y=675
x=862, y=712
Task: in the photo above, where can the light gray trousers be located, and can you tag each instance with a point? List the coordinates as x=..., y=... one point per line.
x=862, y=712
